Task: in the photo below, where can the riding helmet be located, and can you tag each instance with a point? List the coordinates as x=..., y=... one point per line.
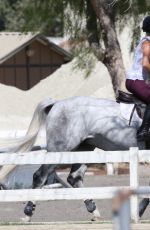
x=146, y=24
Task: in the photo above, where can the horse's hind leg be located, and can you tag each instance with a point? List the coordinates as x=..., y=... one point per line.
x=41, y=175
x=75, y=179
x=40, y=178
x=63, y=134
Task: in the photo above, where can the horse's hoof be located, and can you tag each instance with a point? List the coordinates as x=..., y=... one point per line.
x=26, y=219
x=29, y=208
x=97, y=218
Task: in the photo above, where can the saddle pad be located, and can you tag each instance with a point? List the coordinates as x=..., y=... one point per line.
x=126, y=110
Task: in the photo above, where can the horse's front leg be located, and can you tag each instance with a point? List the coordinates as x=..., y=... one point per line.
x=75, y=179
x=40, y=178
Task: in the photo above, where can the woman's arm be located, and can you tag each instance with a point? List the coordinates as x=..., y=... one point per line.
x=146, y=56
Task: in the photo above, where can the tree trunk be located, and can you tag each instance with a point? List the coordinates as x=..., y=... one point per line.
x=112, y=57
x=91, y=24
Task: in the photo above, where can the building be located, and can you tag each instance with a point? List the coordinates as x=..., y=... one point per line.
x=25, y=59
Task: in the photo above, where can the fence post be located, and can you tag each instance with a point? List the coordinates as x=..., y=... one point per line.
x=134, y=183
x=110, y=169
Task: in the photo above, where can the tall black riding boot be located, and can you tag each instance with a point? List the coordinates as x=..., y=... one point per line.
x=143, y=133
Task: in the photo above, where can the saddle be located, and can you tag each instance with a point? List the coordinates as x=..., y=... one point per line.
x=126, y=98
x=129, y=98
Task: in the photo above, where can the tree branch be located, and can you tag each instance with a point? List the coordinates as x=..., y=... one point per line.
x=98, y=51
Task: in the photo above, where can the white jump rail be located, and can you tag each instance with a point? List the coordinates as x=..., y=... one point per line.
x=133, y=156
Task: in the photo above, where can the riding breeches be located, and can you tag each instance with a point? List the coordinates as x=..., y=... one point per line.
x=140, y=89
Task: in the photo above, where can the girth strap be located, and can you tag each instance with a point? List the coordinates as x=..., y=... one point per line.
x=133, y=110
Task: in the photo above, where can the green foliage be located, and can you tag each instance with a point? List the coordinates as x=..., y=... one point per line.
x=135, y=9
x=44, y=16
x=15, y=17
x=84, y=60
x=4, y=10
x=52, y=17
x=49, y=16
x=139, y=9
x=11, y=17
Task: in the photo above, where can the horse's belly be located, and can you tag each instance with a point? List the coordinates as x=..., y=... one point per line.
x=103, y=143
x=115, y=139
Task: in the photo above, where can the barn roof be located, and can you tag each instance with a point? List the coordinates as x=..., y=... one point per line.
x=13, y=42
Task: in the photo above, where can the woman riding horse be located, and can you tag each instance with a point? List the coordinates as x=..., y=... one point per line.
x=137, y=77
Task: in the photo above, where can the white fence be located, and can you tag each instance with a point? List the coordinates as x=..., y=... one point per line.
x=133, y=156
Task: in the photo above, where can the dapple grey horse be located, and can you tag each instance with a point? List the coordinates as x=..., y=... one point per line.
x=74, y=124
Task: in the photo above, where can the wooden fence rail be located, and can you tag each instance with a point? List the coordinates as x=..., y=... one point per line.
x=133, y=156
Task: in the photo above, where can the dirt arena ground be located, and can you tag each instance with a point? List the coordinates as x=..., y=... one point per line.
x=70, y=226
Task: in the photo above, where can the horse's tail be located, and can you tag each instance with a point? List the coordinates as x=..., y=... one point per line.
x=26, y=143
